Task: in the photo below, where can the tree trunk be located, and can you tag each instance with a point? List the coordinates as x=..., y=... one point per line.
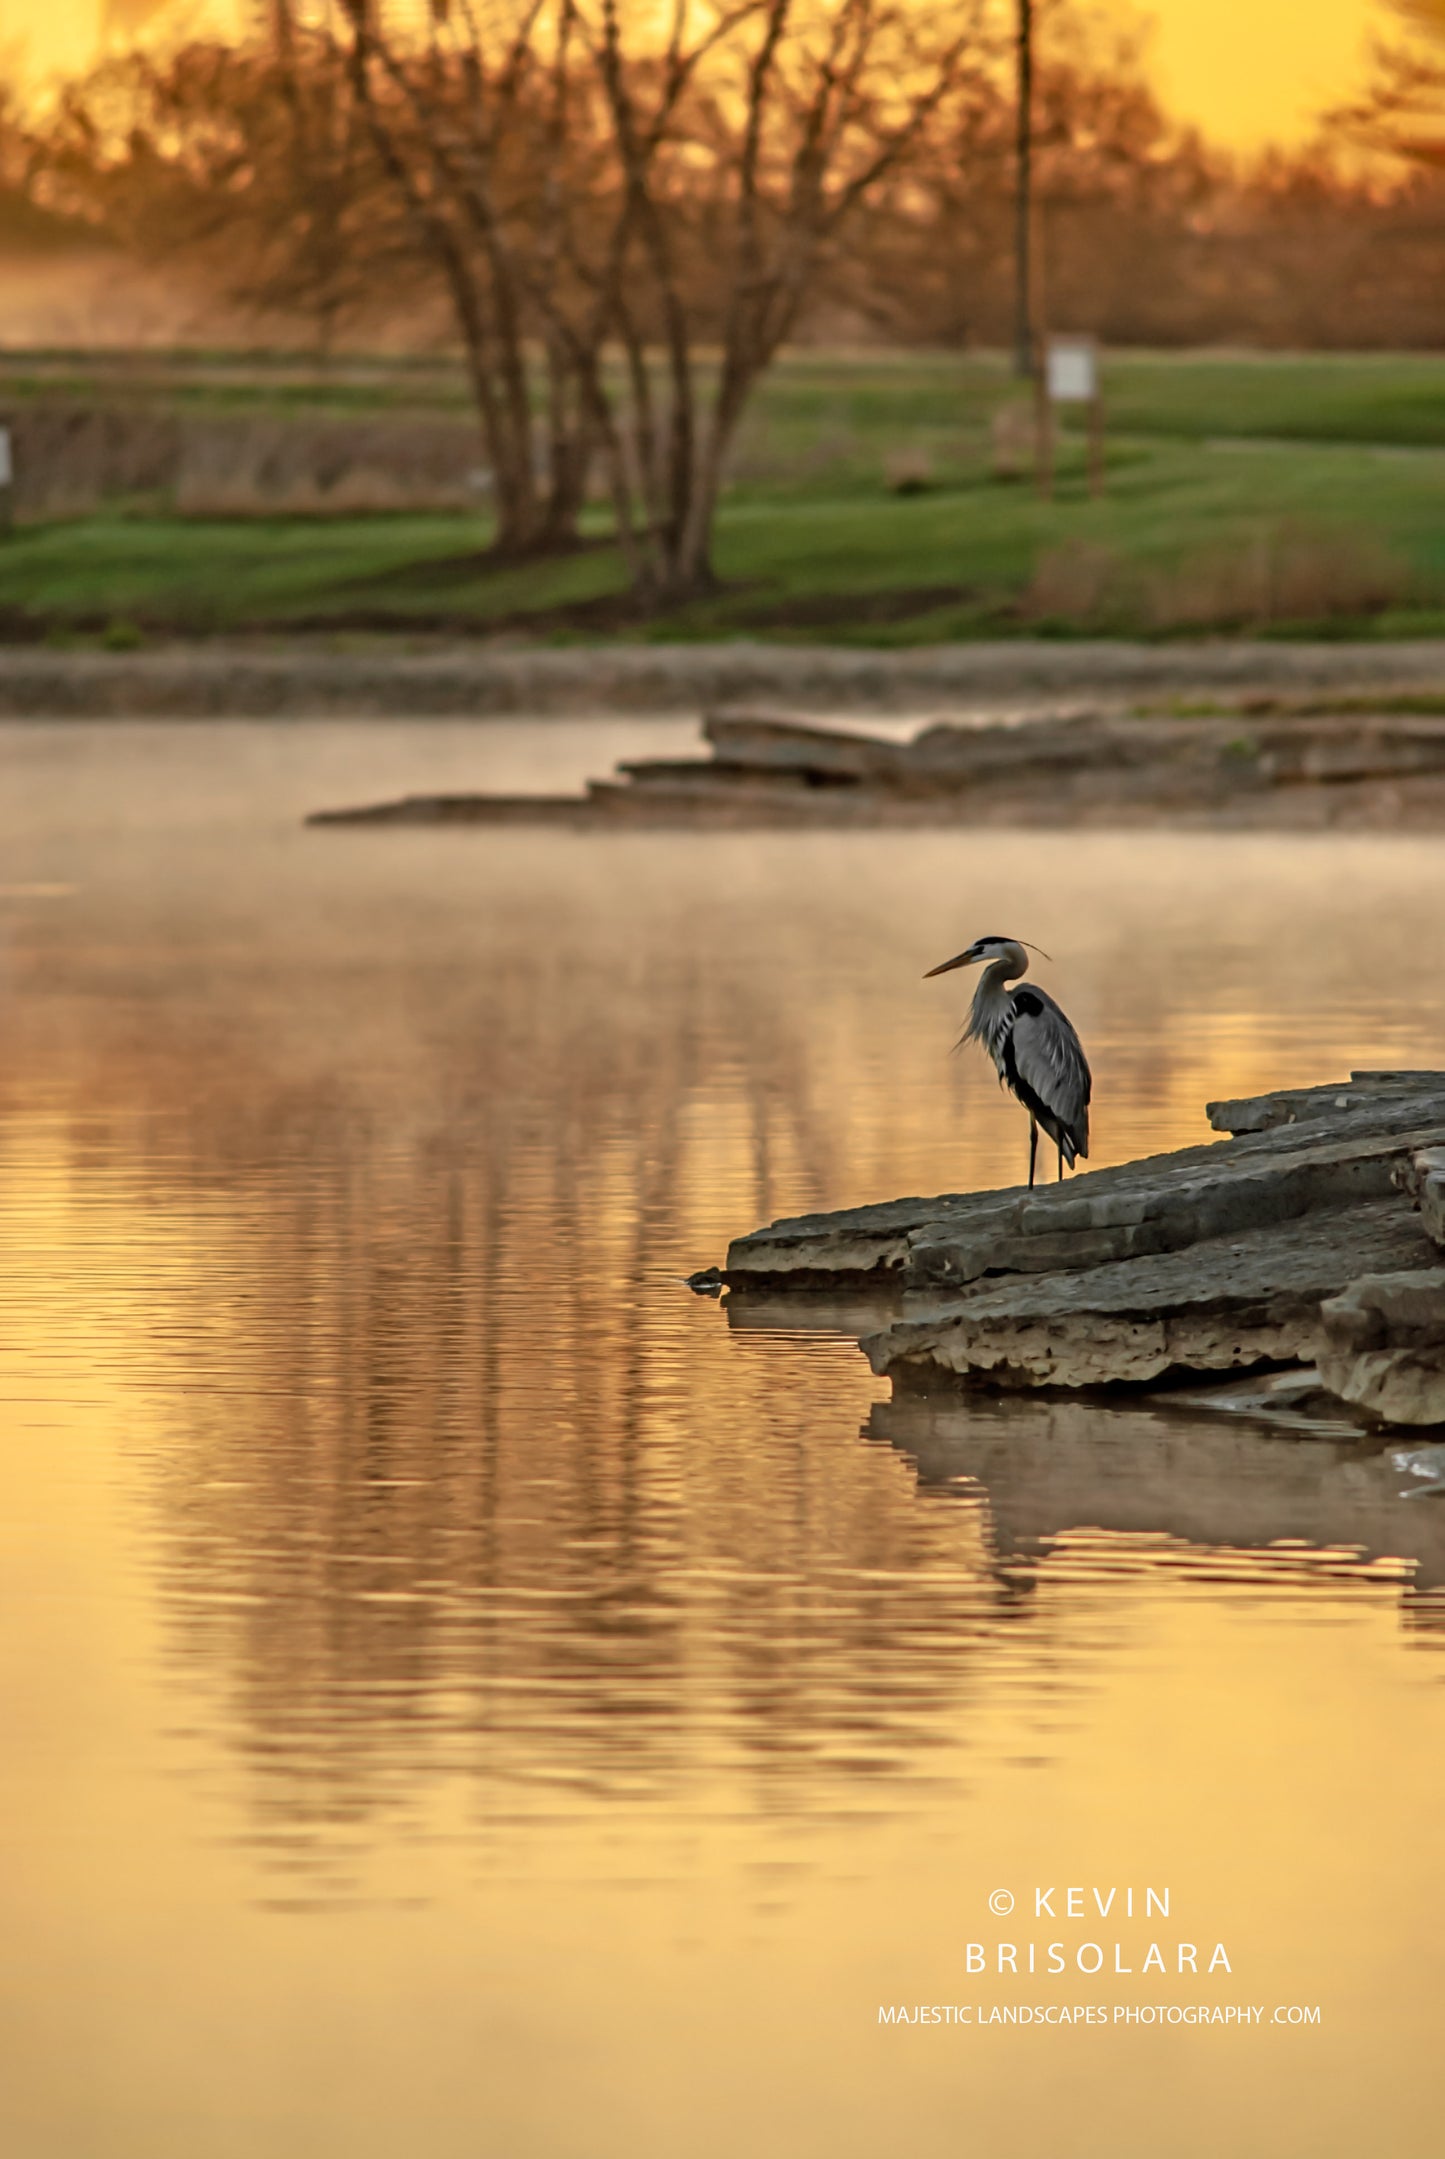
x=569, y=451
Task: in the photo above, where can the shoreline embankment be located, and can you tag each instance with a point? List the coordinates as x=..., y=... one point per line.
x=427, y=679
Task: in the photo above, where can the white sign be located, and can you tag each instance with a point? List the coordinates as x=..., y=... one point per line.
x=1073, y=371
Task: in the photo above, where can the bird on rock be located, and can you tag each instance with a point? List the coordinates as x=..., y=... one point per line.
x=1036, y=1052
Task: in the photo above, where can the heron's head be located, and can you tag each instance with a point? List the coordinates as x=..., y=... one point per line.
x=981, y=952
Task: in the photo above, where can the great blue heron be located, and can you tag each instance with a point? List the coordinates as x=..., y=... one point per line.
x=1035, y=1050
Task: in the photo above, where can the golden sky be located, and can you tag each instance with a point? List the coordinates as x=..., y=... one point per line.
x=1252, y=71
x=1247, y=71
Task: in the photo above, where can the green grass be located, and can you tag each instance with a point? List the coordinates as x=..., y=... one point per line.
x=1384, y=399
x=261, y=383
x=812, y=399
x=1326, y=474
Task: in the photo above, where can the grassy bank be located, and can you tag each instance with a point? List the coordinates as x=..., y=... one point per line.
x=1289, y=494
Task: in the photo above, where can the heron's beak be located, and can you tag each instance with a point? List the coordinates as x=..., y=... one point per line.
x=963, y=959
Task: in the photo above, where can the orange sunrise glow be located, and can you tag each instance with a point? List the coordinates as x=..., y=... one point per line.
x=1245, y=73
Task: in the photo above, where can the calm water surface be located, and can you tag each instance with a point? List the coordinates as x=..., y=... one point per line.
x=462, y=1697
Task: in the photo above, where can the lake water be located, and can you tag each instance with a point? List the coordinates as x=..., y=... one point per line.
x=460, y=1696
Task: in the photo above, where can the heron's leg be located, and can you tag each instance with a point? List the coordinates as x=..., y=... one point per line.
x=1061, y=1161
x=1033, y=1146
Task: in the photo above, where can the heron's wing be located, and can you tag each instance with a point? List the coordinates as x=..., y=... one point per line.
x=1049, y=1058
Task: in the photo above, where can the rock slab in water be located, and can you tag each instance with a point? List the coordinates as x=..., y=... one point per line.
x=1162, y=1204
x=1217, y=1306
x=1382, y=1345
x=1209, y=1260
x=1060, y=768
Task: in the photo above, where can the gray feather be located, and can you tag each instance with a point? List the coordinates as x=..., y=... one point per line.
x=1049, y=1058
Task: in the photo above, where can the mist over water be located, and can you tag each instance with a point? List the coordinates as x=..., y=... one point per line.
x=462, y=1695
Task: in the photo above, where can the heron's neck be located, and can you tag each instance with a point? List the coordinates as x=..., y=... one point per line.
x=1007, y=968
x=988, y=1021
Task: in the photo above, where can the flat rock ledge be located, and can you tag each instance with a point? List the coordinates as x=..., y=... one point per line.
x=1076, y=766
x=1273, y=1247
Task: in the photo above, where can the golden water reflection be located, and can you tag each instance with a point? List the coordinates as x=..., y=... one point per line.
x=438, y=1650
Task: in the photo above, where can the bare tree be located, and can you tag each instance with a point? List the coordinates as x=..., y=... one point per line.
x=652, y=207
x=744, y=150
x=488, y=136
x=624, y=210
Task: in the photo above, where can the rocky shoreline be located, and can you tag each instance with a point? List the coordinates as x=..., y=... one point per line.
x=1311, y=1239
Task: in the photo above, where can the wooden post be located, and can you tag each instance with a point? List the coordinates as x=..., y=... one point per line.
x=1096, y=440
x=1043, y=425
x=1026, y=355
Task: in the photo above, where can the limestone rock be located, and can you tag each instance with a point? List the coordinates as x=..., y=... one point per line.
x=1299, y=1105
x=1059, y=767
x=1170, y=1204
x=1382, y=1345
x=1227, y=1303
x=1423, y=1177
x=1161, y=1204
x=858, y=1240
x=785, y=747
x=1210, y=1260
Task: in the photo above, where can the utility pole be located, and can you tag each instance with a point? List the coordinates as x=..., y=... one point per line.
x=1023, y=191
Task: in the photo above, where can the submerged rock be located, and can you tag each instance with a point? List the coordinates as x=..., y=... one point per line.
x=1294, y=1400
x=1426, y=1463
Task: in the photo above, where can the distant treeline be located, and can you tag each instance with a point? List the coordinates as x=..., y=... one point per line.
x=254, y=172
x=1294, y=253
x=1147, y=235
